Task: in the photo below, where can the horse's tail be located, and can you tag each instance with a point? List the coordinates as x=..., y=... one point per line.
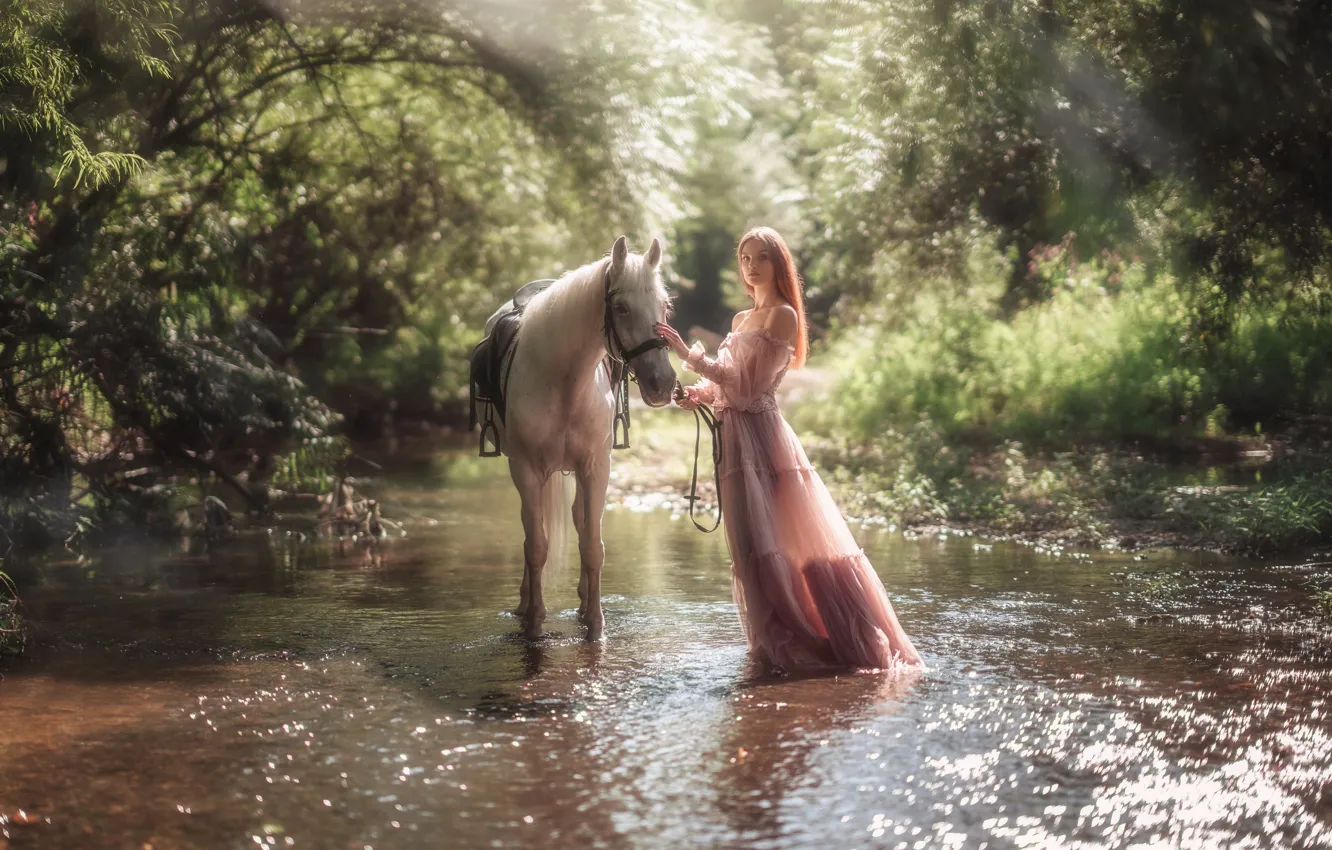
x=557, y=506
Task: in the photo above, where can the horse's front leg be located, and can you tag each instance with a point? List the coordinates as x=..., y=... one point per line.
x=524, y=597
x=536, y=545
x=579, y=512
x=592, y=483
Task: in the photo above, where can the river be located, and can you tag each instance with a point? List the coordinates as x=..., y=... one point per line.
x=283, y=691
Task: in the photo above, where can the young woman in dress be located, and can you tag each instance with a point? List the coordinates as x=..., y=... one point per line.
x=807, y=594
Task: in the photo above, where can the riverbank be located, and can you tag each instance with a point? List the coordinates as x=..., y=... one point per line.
x=1253, y=497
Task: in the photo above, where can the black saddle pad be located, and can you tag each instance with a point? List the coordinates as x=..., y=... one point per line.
x=487, y=383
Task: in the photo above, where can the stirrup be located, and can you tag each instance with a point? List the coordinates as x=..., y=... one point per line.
x=618, y=442
x=490, y=428
x=621, y=394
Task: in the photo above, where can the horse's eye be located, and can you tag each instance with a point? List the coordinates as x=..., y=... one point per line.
x=621, y=310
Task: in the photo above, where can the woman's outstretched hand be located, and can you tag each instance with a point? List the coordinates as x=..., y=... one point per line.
x=683, y=397
x=673, y=340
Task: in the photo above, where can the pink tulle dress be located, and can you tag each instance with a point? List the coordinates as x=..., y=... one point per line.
x=807, y=594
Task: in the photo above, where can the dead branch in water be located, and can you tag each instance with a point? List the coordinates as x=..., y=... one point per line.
x=344, y=512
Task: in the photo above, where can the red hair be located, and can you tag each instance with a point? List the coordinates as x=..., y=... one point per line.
x=789, y=284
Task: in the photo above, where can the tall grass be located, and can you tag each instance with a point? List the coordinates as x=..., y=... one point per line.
x=1115, y=353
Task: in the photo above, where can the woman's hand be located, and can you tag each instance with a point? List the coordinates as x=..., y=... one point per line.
x=673, y=340
x=685, y=397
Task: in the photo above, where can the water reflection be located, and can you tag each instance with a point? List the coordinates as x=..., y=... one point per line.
x=342, y=694
x=770, y=752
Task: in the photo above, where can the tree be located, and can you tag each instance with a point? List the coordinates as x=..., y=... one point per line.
x=203, y=200
x=1039, y=119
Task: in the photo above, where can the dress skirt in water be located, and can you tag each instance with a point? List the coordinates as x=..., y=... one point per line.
x=807, y=594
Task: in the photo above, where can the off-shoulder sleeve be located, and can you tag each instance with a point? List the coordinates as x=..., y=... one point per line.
x=741, y=372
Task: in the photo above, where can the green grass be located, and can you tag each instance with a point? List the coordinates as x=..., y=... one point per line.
x=1262, y=520
x=946, y=411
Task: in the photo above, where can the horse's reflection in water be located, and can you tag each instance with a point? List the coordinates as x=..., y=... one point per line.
x=779, y=724
x=551, y=673
x=538, y=656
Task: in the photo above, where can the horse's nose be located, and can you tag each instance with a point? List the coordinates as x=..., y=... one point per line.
x=657, y=388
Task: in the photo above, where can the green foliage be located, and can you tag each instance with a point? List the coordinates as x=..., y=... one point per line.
x=1292, y=514
x=898, y=476
x=41, y=75
x=1113, y=354
x=1027, y=121
x=12, y=638
x=1323, y=603
x=918, y=477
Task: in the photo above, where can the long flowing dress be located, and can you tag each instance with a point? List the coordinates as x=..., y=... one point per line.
x=807, y=594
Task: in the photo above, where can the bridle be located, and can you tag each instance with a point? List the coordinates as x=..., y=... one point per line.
x=619, y=365
x=621, y=373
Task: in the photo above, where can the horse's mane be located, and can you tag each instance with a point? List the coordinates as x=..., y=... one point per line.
x=573, y=304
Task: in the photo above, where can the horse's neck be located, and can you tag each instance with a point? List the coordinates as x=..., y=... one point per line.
x=567, y=338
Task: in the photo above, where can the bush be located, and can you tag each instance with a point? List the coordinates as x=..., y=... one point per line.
x=1116, y=353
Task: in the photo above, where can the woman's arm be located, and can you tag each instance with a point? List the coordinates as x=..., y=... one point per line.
x=720, y=371
x=740, y=372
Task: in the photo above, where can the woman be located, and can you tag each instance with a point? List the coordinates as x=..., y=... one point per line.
x=808, y=596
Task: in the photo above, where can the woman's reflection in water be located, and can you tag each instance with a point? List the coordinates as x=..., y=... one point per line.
x=779, y=724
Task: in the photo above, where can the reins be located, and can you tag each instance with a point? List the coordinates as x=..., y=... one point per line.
x=704, y=415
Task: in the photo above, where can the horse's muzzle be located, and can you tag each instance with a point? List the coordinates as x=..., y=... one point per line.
x=654, y=391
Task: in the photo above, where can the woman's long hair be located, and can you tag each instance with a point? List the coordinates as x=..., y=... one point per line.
x=789, y=284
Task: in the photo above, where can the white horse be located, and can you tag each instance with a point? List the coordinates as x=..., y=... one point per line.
x=561, y=407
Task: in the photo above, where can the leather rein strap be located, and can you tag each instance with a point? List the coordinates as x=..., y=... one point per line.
x=704, y=415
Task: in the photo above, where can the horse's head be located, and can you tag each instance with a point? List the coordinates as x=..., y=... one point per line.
x=636, y=301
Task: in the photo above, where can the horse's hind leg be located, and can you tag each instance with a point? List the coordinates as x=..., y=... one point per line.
x=591, y=500
x=536, y=545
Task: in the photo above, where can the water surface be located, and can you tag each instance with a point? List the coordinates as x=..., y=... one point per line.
x=333, y=694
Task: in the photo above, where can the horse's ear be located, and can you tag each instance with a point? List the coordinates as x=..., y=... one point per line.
x=618, y=254
x=653, y=255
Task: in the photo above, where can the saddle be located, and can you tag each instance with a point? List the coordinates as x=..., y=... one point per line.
x=488, y=378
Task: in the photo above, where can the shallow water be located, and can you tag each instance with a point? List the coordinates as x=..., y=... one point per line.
x=279, y=692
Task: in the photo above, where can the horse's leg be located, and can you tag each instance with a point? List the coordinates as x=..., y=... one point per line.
x=580, y=527
x=536, y=545
x=592, y=481
x=524, y=592
x=524, y=599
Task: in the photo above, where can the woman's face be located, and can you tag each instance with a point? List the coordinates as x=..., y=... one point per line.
x=756, y=265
